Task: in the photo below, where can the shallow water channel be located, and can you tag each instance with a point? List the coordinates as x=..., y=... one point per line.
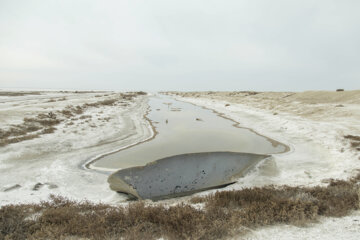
x=185, y=128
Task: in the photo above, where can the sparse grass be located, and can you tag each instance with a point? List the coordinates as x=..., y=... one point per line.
x=107, y=102
x=78, y=110
x=196, y=200
x=41, y=124
x=106, y=119
x=67, y=113
x=48, y=130
x=15, y=94
x=140, y=93
x=4, y=142
x=69, y=123
x=44, y=123
x=225, y=214
x=352, y=137
x=354, y=141
x=85, y=116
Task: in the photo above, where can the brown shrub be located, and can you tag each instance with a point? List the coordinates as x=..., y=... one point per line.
x=78, y=110
x=15, y=94
x=352, y=137
x=4, y=142
x=85, y=116
x=13, y=131
x=69, y=123
x=20, y=132
x=107, y=102
x=225, y=214
x=48, y=130
x=196, y=200
x=32, y=128
x=66, y=113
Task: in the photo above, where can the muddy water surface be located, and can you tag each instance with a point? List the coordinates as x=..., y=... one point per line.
x=185, y=128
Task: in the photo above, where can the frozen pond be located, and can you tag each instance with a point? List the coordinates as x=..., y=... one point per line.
x=185, y=128
x=183, y=174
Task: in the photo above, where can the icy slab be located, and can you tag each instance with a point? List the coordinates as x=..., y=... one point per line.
x=183, y=174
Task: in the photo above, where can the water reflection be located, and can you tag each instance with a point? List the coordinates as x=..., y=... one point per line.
x=186, y=128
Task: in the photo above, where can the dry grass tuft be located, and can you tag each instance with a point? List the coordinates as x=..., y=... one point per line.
x=4, y=142
x=107, y=102
x=67, y=113
x=34, y=127
x=15, y=94
x=62, y=99
x=354, y=141
x=48, y=130
x=140, y=93
x=30, y=128
x=225, y=214
x=352, y=137
x=85, y=117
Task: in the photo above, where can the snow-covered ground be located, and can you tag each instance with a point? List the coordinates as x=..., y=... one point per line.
x=55, y=160
x=313, y=124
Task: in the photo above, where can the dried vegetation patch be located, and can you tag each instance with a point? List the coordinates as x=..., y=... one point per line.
x=16, y=94
x=354, y=141
x=44, y=123
x=225, y=214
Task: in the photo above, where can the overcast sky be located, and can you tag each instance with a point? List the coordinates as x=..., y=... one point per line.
x=180, y=45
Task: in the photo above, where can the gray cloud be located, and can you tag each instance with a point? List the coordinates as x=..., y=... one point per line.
x=180, y=45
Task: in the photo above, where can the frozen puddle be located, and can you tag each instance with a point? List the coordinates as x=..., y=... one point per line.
x=183, y=174
x=189, y=140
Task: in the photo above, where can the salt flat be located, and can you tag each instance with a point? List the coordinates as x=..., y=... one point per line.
x=90, y=124
x=315, y=125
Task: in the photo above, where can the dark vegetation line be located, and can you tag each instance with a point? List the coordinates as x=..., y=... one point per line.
x=16, y=94
x=224, y=214
x=354, y=141
x=34, y=127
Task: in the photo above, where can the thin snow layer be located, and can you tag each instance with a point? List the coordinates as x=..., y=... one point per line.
x=318, y=148
x=56, y=160
x=330, y=228
x=318, y=152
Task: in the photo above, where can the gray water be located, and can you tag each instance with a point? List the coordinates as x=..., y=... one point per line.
x=185, y=128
